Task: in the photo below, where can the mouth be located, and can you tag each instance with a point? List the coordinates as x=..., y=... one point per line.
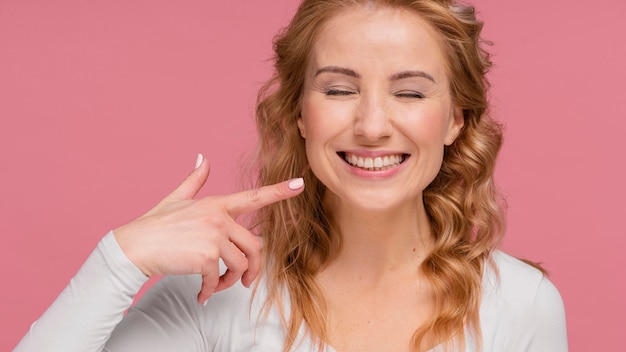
x=377, y=163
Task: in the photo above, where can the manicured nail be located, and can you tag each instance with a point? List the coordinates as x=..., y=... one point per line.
x=199, y=160
x=205, y=302
x=296, y=183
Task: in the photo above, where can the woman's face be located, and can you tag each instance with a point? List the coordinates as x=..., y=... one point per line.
x=376, y=108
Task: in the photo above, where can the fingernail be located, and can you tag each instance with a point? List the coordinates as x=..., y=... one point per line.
x=296, y=183
x=205, y=302
x=199, y=160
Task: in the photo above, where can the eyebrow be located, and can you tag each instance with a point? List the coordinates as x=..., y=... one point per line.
x=395, y=77
x=337, y=69
x=409, y=74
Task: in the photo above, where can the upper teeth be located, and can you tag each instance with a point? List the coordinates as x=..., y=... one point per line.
x=378, y=162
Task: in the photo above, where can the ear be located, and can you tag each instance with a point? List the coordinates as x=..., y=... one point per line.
x=301, y=127
x=456, y=124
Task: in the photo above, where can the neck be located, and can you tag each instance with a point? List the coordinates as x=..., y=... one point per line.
x=379, y=241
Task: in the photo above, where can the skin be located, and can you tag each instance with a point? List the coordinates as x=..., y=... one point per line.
x=182, y=235
x=376, y=84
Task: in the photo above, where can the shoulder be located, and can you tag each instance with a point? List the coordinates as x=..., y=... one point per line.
x=511, y=278
x=521, y=307
x=517, y=285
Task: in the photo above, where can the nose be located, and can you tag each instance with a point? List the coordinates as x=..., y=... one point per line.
x=372, y=120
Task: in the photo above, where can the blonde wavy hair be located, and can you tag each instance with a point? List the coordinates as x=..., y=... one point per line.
x=463, y=205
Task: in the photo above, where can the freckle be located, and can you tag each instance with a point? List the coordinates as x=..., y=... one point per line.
x=413, y=249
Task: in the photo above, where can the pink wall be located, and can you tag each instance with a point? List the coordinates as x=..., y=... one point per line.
x=104, y=105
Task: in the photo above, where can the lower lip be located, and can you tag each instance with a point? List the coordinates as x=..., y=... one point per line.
x=374, y=174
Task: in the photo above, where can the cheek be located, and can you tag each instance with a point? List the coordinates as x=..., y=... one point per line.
x=427, y=129
x=322, y=120
x=308, y=120
x=312, y=125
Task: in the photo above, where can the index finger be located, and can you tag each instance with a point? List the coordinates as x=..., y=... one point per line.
x=254, y=199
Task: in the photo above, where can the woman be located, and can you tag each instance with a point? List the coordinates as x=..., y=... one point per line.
x=381, y=107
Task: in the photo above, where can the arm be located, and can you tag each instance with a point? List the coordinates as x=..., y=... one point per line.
x=168, y=318
x=88, y=309
x=179, y=236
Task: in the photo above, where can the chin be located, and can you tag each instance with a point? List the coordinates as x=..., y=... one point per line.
x=372, y=203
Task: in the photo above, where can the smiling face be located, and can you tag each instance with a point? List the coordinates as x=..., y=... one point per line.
x=376, y=109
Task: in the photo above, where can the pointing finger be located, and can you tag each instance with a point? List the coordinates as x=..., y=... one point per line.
x=257, y=198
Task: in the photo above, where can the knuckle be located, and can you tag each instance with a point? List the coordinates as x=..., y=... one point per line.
x=241, y=265
x=209, y=256
x=278, y=191
x=254, y=195
x=215, y=221
x=237, y=266
x=229, y=279
x=255, y=245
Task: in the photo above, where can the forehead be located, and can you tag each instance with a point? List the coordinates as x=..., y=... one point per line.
x=382, y=38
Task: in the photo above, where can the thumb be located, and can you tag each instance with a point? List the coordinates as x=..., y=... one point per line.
x=192, y=183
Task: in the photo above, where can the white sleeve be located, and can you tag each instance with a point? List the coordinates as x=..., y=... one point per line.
x=86, y=312
x=546, y=329
x=169, y=318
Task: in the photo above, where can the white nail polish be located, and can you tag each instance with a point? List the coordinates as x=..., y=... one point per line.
x=205, y=303
x=295, y=184
x=199, y=160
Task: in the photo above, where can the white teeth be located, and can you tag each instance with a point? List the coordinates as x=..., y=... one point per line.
x=376, y=164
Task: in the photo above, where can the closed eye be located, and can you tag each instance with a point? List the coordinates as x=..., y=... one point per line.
x=409, y=94
x=338, y=92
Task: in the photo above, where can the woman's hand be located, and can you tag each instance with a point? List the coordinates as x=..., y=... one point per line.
x=182, y=235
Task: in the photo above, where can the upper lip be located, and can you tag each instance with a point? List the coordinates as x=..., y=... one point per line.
x=371, y=153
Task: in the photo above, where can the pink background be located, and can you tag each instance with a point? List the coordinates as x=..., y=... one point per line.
x=104, y=105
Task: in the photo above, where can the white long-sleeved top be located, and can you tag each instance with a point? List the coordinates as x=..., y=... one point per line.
x=521, y=310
